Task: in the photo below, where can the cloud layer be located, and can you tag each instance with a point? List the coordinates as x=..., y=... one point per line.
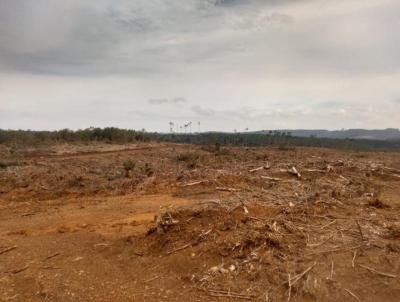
x=229, y=63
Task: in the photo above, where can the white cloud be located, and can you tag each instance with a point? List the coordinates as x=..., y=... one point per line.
x=265, y=63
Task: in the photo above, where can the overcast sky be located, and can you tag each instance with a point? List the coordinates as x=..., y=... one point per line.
x=231, y=64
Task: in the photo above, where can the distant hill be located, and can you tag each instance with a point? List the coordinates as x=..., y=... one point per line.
x=381, y=134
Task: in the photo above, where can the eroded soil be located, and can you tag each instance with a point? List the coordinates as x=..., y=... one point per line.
x=165, y=222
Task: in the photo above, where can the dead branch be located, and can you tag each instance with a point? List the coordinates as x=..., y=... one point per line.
x=228, y=294
x=321, y=243
x=330, y=223
x=52, y=256
x=316, y=170
x=260, y=168
x=352, y=294
x=299, y=276
x=27, y=214
x=8, y=249
x=180, y=248
x=290, y=288
x=226, y=189
x=378, y=272
x=359, y=229
x=294, y=172
x=354, y=259
x=151, y=279
x=164, y=221
x=193, y=183
x=271, y=178
x=19, y=270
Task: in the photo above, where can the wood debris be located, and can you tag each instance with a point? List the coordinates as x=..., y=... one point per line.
x=271, y=178
x=193, y=183
x=260, y=168
x=294, y=172
x=352, y=294
x=228, y=294
x=378, y=272
x=226, y=189
x=8, y=249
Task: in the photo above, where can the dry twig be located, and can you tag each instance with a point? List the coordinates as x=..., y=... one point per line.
x=18, y=270
x=352, y=294
x=228, y=294
x=260, y=168
x=378, y=272
x=193, y=183
x=271, y=178
x=180, y=248
x=354, y=259
x=294, y=171
x=299, y=276
x=8, y=249
x=359, y=229
x=226, y=189
x=321, y=243
x=52, y=256
x=326, y=225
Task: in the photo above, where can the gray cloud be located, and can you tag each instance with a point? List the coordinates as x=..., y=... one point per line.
x=175, y=100
x=139, y=38
x=262, y=62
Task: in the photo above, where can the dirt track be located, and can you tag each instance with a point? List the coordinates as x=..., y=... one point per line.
x=76, y=226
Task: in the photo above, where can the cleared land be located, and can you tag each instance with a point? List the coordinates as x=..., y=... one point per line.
x=167, y=222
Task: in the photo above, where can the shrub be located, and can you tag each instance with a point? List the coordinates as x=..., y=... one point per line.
x=128, y=165
x=191, y=159
x=4, y=165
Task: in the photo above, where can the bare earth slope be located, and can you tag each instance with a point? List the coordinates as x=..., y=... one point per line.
x=165, y=222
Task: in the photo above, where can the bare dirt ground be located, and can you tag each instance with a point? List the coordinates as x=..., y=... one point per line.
x=165, y=222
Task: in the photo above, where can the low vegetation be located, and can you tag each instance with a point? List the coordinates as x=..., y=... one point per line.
x=216, y=140
x=191, y=159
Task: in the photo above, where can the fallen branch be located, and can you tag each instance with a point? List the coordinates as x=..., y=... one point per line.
x=354, y=259
x=8, y=249
x=321, y=243
x=52, y=256
x=299, y=276
x=352, y=294
x=19, y=270
x=316, y=170
x=180, y=248
x=326, y=225
x=271, y=178
x=294, y=172
x=193, y=183
x=151, y=279
x=226, y=189
x=378, y=272
x=27, y=214
x=359, y=229
x=228, y=294
x=260, y=168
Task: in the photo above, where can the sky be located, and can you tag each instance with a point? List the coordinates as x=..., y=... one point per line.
x=228, y=64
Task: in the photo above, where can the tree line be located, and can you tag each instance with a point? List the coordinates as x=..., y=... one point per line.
x=117, y=135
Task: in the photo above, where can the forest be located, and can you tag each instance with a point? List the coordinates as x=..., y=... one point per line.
x=121, y=136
